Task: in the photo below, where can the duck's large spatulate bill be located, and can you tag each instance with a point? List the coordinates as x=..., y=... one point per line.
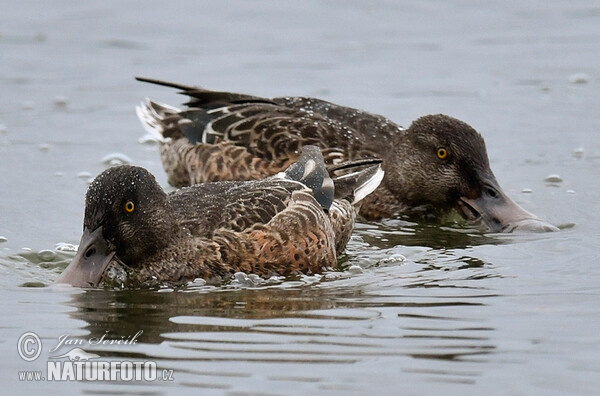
x=90, y=262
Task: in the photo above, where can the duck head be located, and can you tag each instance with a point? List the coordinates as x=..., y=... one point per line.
x=125, y=221
x=442, y=162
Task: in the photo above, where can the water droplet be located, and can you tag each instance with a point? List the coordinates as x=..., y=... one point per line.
x=579, y=78
x=60, y=102
x=148, y=139
x=47, y=255
x=198, y=282
x=355, y=269
x=115, y=159
x=28, y=105
x=254, y=277
x=66, y=247
x=59, y=174
x=3, y=129
x=243, y=279
x=554, y=178
x=570, y=191
x=527, y=191
x=578, y=152
x=86, y=177
x=394, y=259
x=3, y=239
x=44, y=147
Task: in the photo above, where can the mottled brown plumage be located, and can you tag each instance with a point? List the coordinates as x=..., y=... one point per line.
x=229, y=136
x=135, y=234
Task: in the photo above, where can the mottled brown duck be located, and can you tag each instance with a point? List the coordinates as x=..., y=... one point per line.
x=135, y=234
x=437, y=165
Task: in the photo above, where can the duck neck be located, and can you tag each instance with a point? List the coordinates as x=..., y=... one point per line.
x=399, y=166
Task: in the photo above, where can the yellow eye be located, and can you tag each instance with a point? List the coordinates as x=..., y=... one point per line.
x=442, y=153
x=129, y=206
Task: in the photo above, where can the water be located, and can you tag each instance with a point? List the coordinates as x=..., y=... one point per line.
x=416, y=309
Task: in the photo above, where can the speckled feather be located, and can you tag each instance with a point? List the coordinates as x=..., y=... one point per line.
x=434, y=169
x=271, y=226
x=261, y=136
x=229, y=136
x=244, y=228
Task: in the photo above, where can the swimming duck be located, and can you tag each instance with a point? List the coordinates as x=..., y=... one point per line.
x=135, y=234
x=436, y=165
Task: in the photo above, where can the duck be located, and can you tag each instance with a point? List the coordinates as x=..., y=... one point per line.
x=435, y=168
x=297, y=221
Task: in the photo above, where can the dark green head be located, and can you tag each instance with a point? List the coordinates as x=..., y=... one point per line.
x=442, y=162
x=126, y=219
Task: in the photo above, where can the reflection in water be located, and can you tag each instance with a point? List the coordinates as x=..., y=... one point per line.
x=398, y=232
x=209, y=335
x=414, y=295
x=125, y=312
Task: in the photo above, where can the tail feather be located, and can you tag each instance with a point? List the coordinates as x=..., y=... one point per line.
x=202, y=97
x=350, y=189
x=167, y=84
x=355, y=186
x=353, y=164
x=311, y=171
x=153, y=117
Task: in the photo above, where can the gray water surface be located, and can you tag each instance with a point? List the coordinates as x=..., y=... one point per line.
x=414, y=308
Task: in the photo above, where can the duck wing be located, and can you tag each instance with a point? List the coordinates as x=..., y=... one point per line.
x=269, y=226
x=240, y=205
x=372, y=129
x=232, y=205
x=268, y=130
x=365, y=123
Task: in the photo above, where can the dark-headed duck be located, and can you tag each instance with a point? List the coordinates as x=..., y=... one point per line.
x=135, y=234
x=438, y=164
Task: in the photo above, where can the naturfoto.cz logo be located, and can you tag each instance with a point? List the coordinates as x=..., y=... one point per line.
x=79, y=365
